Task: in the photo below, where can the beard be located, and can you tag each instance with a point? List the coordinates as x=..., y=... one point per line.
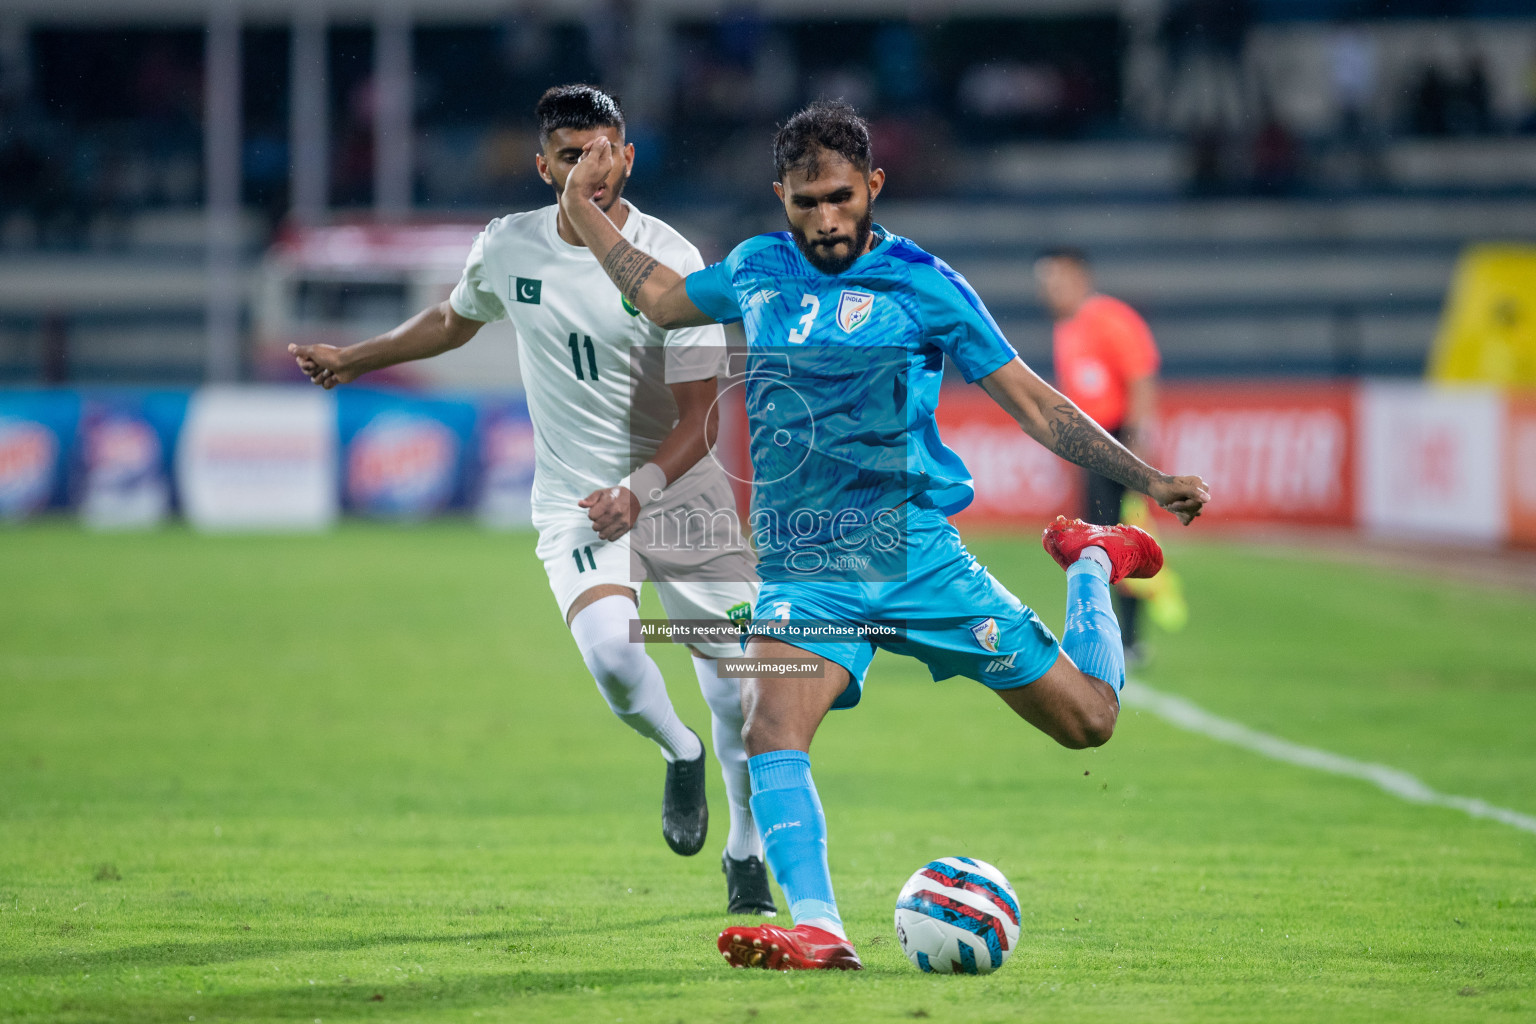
x=820, y=254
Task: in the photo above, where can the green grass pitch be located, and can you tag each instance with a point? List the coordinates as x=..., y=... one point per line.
x=364, y=777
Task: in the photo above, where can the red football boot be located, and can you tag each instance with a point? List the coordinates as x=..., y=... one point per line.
x=801, y=948
x=1132, y=551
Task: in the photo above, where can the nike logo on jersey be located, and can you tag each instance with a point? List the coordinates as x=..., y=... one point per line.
x=527, y=289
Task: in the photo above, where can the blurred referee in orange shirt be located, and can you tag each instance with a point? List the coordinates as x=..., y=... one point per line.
x=1106, y=362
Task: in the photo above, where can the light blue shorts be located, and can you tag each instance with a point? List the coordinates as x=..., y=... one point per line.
x=949, y=613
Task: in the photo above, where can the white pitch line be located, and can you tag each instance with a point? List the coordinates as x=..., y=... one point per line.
x=1188, y=715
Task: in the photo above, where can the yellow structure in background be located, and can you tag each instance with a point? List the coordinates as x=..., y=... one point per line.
x=1488, y=331
x=1163, y=593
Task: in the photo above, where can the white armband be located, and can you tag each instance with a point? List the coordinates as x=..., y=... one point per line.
x=646, y=483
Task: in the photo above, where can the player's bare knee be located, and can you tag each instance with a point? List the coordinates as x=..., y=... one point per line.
x=1099, y=716
x=1072, y=737
x=1098, y=729
x=1088, y=726
x=770, y=727
x=761, y=733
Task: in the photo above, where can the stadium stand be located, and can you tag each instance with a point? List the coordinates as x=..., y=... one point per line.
x=1283, y=189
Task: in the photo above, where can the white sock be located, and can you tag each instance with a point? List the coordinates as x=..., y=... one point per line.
x=726, y=720
x=835, y=927
x=628, y=679
x=1098, y=555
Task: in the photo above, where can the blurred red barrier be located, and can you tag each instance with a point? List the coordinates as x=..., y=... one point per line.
x=1270, y=453
x=1287, y=453
x=1018, y=483
x=1520, y=467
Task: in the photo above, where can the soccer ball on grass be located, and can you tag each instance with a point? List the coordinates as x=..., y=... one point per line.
x=957, y=915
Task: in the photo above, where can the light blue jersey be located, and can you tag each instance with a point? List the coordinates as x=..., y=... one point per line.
x=843, y=380
x=842, y=386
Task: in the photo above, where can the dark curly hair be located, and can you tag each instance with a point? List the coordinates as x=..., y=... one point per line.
x=577, y=106
x=830, y=126
x=1065, y=252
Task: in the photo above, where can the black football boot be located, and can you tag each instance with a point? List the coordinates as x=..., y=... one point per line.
x=746, y=887
x=684, y=809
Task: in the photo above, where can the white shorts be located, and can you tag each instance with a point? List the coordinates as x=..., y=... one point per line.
x=697, y=575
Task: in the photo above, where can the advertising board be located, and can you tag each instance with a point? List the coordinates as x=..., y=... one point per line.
x=258, y=458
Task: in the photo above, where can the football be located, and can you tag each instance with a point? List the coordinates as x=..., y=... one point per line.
x=956, y=915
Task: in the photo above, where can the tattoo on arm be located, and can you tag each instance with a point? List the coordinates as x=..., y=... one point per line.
x=629, y=267
x=1078, y=439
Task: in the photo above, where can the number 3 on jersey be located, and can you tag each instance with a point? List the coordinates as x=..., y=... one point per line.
x=799, y=334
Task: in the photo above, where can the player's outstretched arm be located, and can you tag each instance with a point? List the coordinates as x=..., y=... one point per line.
x=429, y=333
x=655, y=290
x=1049, y=417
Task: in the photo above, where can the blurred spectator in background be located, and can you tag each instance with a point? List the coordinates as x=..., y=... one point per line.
x=1431, y=97
x=1353, y=67
x=1276, y=155
x=1205, y=42
x=1106, y=361
x=1527, y=121
x=1471, y=107
x=1209, y=157
x=1453, y=101
x=1012, y=91
x=24, y=170
x=352, y=148
x=100, y=124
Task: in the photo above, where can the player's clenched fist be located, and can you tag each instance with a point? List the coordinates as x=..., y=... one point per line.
x=1184, y=496
x=590, y=175
x=613, y=511
x=322, y=364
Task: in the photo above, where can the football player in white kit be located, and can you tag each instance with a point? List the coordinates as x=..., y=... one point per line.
x=624, y=488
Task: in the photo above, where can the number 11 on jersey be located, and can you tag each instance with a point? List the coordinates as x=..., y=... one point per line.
x=576, y=355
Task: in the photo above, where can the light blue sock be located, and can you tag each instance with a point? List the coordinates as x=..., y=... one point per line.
x=1092, y=636
x=788, y=813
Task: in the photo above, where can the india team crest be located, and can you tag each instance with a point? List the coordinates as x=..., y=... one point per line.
x=987, y=634
x=853, y=310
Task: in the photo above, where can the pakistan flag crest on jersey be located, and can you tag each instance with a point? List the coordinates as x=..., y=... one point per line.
x=527, y=289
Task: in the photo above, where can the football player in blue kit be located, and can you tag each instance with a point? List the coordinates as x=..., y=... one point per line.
x=848, y=327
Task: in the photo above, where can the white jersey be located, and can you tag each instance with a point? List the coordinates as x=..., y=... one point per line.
x=594, y=369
